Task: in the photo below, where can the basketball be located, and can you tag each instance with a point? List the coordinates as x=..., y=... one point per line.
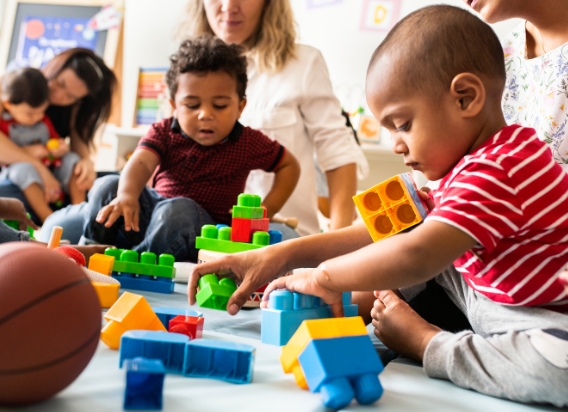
x=50, y=321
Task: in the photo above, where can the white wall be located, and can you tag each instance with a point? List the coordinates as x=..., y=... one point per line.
x=150, y=24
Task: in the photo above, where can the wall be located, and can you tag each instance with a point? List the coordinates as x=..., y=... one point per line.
x=334, y=29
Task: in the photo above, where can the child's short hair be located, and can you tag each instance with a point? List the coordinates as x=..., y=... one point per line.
x=434, y=44
x=207, y=54
x=25, y=85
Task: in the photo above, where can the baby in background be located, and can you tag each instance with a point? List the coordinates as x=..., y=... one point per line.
x=25, y=97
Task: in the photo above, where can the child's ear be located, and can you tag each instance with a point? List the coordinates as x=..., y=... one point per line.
x=242, y=105
x=468, y=91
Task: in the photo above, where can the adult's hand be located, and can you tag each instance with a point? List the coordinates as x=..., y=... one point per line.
x=251, y=269
x=85, y=172
x=13, y=209
x=37, y=151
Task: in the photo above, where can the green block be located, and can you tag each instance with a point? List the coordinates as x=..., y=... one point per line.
x=245, y=199
x=15, y=224
x=214, y=293
x=225, y=246
x=126, y=261
x=248, y=212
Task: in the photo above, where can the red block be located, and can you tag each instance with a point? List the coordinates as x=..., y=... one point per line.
x=241, y=230
x=259, y=225
x=191, y=326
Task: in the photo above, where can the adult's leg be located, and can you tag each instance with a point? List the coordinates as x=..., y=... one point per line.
x=519, y=353
x=173, y=227
x=70, y=218
x=287, y=232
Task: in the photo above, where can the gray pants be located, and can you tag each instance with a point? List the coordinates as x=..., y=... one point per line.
x=519, y=353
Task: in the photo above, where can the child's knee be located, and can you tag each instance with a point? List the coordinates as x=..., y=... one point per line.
x=103, y=187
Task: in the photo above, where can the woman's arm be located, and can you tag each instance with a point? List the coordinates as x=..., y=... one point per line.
x=286, y=176
x=84, y=168
x=342, y=183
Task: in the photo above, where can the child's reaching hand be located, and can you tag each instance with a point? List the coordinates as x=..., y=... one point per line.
x=13, y=209
x=424, y=194
x=61, y=149
x=122, y=205
x=37, y=151
x=306, y=282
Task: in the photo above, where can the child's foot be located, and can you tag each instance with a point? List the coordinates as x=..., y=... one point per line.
x=399, y=327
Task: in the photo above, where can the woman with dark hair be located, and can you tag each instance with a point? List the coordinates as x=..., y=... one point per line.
x=80, y=94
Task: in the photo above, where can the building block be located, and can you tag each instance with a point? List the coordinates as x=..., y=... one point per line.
x=228, y=361
x=219, y=240
x=275, y=236
x=353, y=374
x=169, y=348
x=101, y=263
x=107, y=293
x=183, y=271
x=316, y=329
x=248, y=207
x=146, y=283
x=214, y=293
x=242, y=229
x=191, y=326
x=167, y=314
x=391, y=206
x=286, y=311
x=126, y=262
x=144, y=384
x=130, y=312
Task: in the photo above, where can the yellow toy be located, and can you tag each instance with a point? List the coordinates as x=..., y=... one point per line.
x=130, y=312
x=101, y=263
x=316, y=329
x=391, y=206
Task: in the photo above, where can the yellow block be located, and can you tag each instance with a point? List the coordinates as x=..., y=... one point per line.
x=129, y=312
x=101, y=263
x=316, y=329
x=107, y=293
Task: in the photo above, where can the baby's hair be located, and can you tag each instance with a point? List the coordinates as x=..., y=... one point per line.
x=25, y=85
x=434, y=44
x=207, y=54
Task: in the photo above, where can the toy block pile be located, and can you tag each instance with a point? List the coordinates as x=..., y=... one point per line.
x=149, y=274
x=287, y=310
x=337, y=358
x=249, y=230
x=391, y=206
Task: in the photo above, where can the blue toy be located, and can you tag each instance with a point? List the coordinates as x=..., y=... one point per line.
x=228, y=361
x=169, y=348
x=286, y=311
x=167, y=314
x=144, y=384
x=342, y=369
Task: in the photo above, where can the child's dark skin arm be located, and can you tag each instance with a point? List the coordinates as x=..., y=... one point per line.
x=286, y=176
x=136, y=173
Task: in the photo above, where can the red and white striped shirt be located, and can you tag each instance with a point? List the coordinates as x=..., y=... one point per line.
x=510, y=195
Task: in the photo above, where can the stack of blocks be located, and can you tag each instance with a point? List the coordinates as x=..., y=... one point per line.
x=144, y=275
x=287, y=310
x=337, y=358
x=391, y=206
x=249, y=231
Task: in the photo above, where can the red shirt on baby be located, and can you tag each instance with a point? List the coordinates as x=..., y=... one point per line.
x=510, y=195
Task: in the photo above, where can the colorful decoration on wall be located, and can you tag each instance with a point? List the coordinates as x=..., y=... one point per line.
x=380, y=15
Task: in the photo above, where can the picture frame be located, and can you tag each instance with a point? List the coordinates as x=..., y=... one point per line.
x=36, y=28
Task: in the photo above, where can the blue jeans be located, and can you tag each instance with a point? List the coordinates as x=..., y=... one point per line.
x=7, y=234
x=166, y=225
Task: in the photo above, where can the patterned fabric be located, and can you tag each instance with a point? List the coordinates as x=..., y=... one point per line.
x=213, y=176
x=508, y=195
x=536, y=92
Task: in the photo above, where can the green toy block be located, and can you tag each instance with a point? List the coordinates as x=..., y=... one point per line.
x=219, y=240
x=15, y=224
x=214, y=293
x=126, y=261
x=245, y=199
x=248, y=212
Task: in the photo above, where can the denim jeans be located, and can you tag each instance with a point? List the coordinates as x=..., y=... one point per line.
x=166, y=225
x=7, y=234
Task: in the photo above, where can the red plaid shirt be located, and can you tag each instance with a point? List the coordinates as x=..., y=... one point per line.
x=213, y=176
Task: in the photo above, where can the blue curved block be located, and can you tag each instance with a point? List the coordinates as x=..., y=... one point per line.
x=228, y=361
x=144, y=384
x=167, y=314
x=169, y=348
x=343, y=368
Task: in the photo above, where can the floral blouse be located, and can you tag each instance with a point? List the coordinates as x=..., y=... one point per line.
x=536, y=92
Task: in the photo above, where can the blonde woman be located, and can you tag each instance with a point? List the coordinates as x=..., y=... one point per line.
x=290, y=99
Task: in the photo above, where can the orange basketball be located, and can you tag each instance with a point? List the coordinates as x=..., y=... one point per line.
x=50, y=320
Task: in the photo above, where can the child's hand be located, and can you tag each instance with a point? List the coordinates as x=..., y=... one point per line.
x=306, y=282
x=61, y=149
x=37, y=151
x=126, y=206
x=13, y=209
x=86, y=174
x=425, y=196
x=563, y=278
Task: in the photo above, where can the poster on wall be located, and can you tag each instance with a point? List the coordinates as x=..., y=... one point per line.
x=40, y=38
x=312, y=4
x=380, y=15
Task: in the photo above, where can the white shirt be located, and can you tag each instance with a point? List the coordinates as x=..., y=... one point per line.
x=297, y=107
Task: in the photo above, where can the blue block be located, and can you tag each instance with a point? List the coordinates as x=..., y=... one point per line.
x=342, y=369
x=286, y=311
x=228, y=361
x=167, y=314
x=275, y=237
x=144, y=384
x=143, y=282
x=169, y=348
